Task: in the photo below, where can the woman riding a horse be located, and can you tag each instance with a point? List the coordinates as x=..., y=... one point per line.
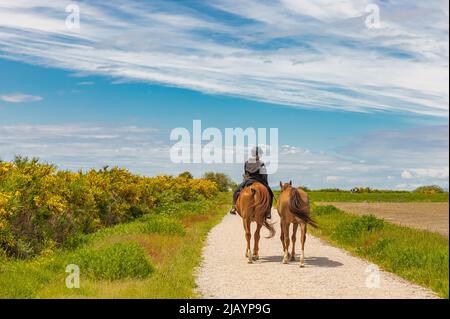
x=254, y=172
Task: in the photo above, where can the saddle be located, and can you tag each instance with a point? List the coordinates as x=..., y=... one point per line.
x=250, y=181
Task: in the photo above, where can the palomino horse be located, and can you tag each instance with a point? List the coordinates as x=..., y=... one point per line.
x=253, y=205
x=293, y=208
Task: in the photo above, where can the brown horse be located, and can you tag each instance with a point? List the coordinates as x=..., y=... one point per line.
x=253, y=205
x=293, y=208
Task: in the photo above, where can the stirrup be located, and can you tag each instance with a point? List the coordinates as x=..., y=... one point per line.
x=233, y=211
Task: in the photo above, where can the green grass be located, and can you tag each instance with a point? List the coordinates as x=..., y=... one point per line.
x=418, y=256
x=163, y=225
x=119, y=261
x=398, y=197
x=153, y=256
x=389, y=196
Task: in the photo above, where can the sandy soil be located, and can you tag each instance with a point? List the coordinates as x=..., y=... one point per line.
x=427, y=216
x=329, y=272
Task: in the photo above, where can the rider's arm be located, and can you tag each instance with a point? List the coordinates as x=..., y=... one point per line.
x=246, y=173
x=263, y=172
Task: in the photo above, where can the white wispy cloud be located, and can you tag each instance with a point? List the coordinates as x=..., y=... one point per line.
x=82, y=146
x=308, y=54
x=437, y=173
x=85, y=83
x=146, y=150
x=333, y=179
x=19, y=98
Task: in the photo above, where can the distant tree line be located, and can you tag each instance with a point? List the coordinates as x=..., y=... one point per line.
x=225, y=184
x=429, y=189
x=223, y=181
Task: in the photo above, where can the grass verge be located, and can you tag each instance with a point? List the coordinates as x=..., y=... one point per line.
x=151, y=257
x=394, y=197
x=418, y=256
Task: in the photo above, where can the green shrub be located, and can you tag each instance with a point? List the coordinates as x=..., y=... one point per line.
x=223, y=181
x=362, y=190
x=119, y=261
x=41, y=207
x=432, y=189
x=354, y=230
x=187, y=175
x=75, y=241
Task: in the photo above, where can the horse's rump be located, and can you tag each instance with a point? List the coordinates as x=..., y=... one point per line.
x=300, y=207
x=261, y=205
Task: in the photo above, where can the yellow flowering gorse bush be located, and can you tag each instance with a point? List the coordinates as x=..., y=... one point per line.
x=42, y=207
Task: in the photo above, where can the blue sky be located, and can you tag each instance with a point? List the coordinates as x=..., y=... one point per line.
x=354, y=105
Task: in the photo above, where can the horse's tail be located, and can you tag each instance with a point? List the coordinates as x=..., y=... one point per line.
x=265, y=206
x=300, y=208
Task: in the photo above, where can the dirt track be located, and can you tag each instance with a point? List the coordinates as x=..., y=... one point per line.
x=329, y=272
x=426, y=216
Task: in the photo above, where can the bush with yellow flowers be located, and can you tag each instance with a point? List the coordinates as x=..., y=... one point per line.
x=42, y=207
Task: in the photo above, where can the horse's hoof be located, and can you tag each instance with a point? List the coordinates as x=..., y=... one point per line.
x=292, y=258
x=249, y=261
x=302, y=265
x=286, y=257
x=256, y=257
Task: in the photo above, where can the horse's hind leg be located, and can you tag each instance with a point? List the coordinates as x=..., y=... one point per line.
x=256, y=238
x=294, y=238
x=282, y=237
x=248, y=236
x=285, y=227
x=303, y=228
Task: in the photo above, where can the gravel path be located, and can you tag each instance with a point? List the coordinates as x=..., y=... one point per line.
x=329, y=272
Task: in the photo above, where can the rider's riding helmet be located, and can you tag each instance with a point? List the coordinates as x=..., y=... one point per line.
x=257, y=152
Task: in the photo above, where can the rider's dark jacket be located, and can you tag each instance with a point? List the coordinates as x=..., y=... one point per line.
x=254, y=171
